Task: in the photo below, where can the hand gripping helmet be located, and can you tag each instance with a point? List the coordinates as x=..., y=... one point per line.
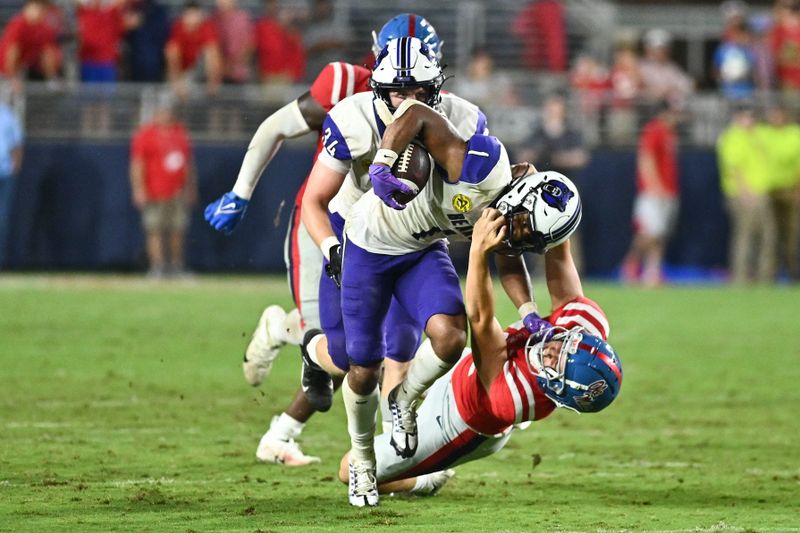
x=406, y=63
x=588, y=374
x=541, y=210
x=408, y=25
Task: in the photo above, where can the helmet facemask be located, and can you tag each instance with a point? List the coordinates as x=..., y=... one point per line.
x=541, y=210
x=522, y=233
x=540, y=352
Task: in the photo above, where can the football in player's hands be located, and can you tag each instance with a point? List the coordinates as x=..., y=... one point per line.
x=413, y=168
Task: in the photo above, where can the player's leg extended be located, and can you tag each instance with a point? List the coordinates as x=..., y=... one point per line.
x=277, y=445
x=304, y=266
x=402, y=335
x=430, y=291
x=325, y=354
x=445, y=441
x=367, y=281
x=276, y=327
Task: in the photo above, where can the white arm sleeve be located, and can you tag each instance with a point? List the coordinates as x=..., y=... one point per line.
x=337, y=165
x=285, y=123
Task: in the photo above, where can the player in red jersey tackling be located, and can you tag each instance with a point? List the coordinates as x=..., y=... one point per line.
x=510, y=376
x=303, y=258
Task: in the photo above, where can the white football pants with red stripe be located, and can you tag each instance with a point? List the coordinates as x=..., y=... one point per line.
x=445, y=440
x=303, y=260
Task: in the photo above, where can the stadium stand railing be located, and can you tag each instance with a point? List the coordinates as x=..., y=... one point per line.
x=75, y=111
x=66, y=110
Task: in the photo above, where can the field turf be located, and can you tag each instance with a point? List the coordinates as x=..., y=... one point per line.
x=123, y=408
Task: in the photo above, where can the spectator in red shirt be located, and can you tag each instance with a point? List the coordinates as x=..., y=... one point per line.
x=237, y=40
x=164, y=187
x=193, y=36
x=28, y=46
x=656, y=206
x=281, y=56
x=785, y=44
x=101, y=26
x=541, y=27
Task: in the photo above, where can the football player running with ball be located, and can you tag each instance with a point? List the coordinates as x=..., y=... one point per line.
x=397, y=254
x=334, y=83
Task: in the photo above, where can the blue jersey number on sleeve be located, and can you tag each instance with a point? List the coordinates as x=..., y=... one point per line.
x=333, y=140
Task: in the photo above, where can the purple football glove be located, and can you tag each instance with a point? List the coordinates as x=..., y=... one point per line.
x=536, y=325
x=386, y=185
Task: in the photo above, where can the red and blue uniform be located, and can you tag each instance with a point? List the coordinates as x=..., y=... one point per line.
x=461, y=420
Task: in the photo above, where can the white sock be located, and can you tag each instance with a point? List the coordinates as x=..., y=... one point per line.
x=311, y=348
x=285, y=427
x=386, y=415
x=424, y=370
x=361, y=414
x=422, y=484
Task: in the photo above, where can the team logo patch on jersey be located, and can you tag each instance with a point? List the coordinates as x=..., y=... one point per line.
x=556, y=194
x=594, y=391
x=462, y=203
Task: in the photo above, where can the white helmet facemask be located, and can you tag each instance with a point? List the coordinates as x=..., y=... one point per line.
x=542, y=210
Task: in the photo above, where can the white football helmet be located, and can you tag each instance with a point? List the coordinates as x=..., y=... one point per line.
x=406, y=63
x=542, y=210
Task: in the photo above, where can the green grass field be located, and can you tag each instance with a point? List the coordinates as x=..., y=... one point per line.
x=123, y=408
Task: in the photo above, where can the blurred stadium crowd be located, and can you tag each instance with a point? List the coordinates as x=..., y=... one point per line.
x=230, y=62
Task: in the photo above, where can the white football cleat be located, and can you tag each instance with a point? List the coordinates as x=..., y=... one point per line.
x=267, y=340
x=363, y=485
x=282, y=452
x=293, y=328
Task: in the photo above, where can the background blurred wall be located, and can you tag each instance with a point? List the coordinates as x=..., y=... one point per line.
x=72, y=210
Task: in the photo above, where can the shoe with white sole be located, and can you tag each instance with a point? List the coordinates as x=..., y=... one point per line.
x=404, y=425
x=275, y=328
x=282, y=452
x=363, y=485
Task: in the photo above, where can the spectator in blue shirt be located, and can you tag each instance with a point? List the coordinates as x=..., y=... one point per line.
x=734, y=63
x=10, y=162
